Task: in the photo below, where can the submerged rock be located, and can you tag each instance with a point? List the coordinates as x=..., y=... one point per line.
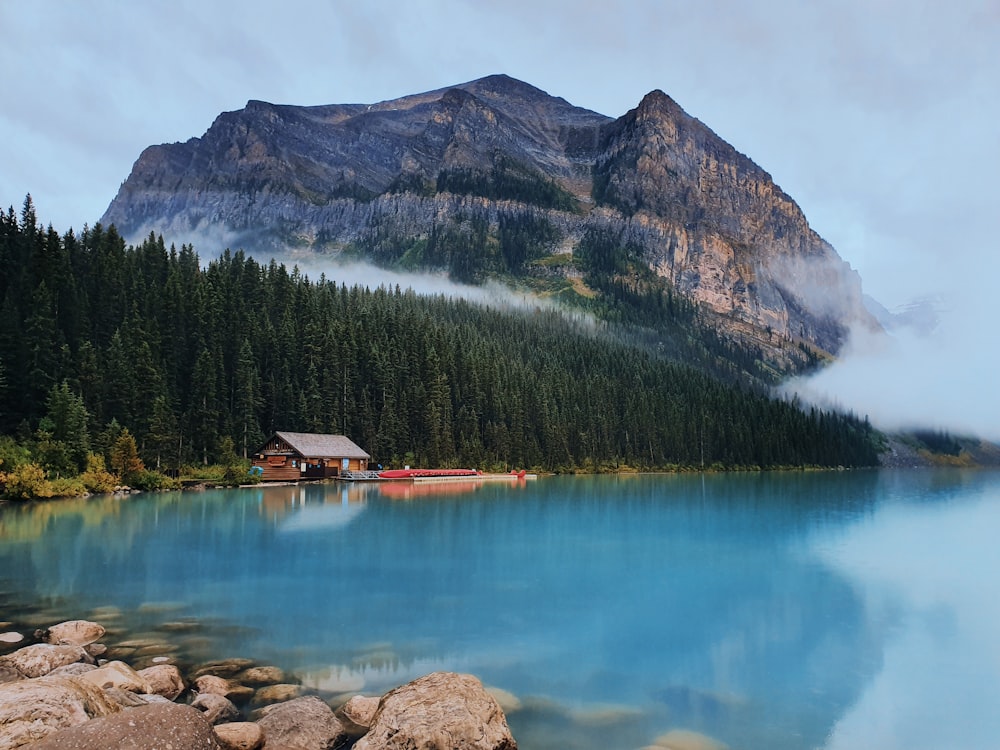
x=687, y=739
x=259, y=676
x=442, y=710
x=276, y=694
x=356, y=715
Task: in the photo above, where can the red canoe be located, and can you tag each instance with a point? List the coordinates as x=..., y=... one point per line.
x=413, y=473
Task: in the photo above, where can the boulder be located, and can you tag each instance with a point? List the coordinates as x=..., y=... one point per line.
x=356, y=715
x=11, y=637
x=157, y=725
x=441, y=711
x=240, y=735
x=117, y=674
x=33, y=709
x=304, y=723
x=75, y=633
x=163, y=679
x=41, y=658
x=216, y=708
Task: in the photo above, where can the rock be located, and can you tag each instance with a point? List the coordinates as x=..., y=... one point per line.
x=209, y=683
x=240, y=735
x=163, y=679
x=96, y=649
x=258, y=676
x=117, y=674
x=11, y=637
x=125, y=698
x=441, y=711
x=41, y=658
x=301, y=724
x=33, y=709
x=217, y=708
x=235, y=692
x=276, y=694
x=222, y=668
x=356, y=715
x=10, y=673
x=72, y=670
x=75, y=633
x=158, y=725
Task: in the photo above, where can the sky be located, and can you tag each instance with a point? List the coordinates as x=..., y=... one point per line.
x=878, y=117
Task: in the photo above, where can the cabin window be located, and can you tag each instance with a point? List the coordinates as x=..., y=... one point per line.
x=294, y=463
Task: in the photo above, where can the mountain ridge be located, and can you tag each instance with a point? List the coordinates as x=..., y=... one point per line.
x=432, y=179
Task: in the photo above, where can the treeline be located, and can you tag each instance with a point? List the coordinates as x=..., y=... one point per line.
x=198, y=362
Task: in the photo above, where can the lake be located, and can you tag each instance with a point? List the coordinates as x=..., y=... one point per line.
x=768, y=611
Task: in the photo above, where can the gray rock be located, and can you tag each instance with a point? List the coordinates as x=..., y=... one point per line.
x=158, y=725
x=441, y=711
x=32, y=709
x=41, y=658
x=305, y=723
x=222, y=668
x=217, y=709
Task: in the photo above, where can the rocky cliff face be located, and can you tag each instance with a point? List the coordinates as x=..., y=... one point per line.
x=704, y=217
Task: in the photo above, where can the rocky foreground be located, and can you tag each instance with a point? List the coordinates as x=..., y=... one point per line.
x=59, y=693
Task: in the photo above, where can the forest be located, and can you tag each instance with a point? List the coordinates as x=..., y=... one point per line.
x=199, y=362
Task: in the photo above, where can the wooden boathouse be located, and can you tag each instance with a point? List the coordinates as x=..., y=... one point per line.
x=290, y=456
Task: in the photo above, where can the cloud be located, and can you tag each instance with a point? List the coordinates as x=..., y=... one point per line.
x=943, y=380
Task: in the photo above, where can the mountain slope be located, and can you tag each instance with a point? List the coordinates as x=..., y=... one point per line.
x=496, y=177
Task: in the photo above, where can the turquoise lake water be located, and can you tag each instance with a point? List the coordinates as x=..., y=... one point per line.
x=767, y=611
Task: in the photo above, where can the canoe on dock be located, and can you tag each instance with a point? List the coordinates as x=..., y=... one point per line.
x=427, y=473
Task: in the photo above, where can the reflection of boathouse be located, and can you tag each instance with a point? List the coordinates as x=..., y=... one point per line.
x=288, y=456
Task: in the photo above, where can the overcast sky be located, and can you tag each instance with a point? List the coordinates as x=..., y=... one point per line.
x=879, y=117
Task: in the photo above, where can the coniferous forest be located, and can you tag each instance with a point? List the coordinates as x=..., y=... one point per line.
x=199, y=361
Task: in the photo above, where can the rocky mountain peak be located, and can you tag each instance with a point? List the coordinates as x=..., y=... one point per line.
x=500, y=152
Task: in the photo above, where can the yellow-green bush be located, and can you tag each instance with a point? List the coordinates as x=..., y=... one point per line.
x=26, y=482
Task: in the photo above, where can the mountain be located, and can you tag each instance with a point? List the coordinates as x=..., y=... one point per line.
x=495, y=177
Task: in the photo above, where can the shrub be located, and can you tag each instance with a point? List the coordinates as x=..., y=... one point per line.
x=27, y=482
x=97, y=478
x=149, y=480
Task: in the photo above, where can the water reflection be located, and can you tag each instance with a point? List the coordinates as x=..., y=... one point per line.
x=777, y=611
x=927, y=575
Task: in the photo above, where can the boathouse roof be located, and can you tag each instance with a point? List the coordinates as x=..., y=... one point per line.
x=316, y=445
